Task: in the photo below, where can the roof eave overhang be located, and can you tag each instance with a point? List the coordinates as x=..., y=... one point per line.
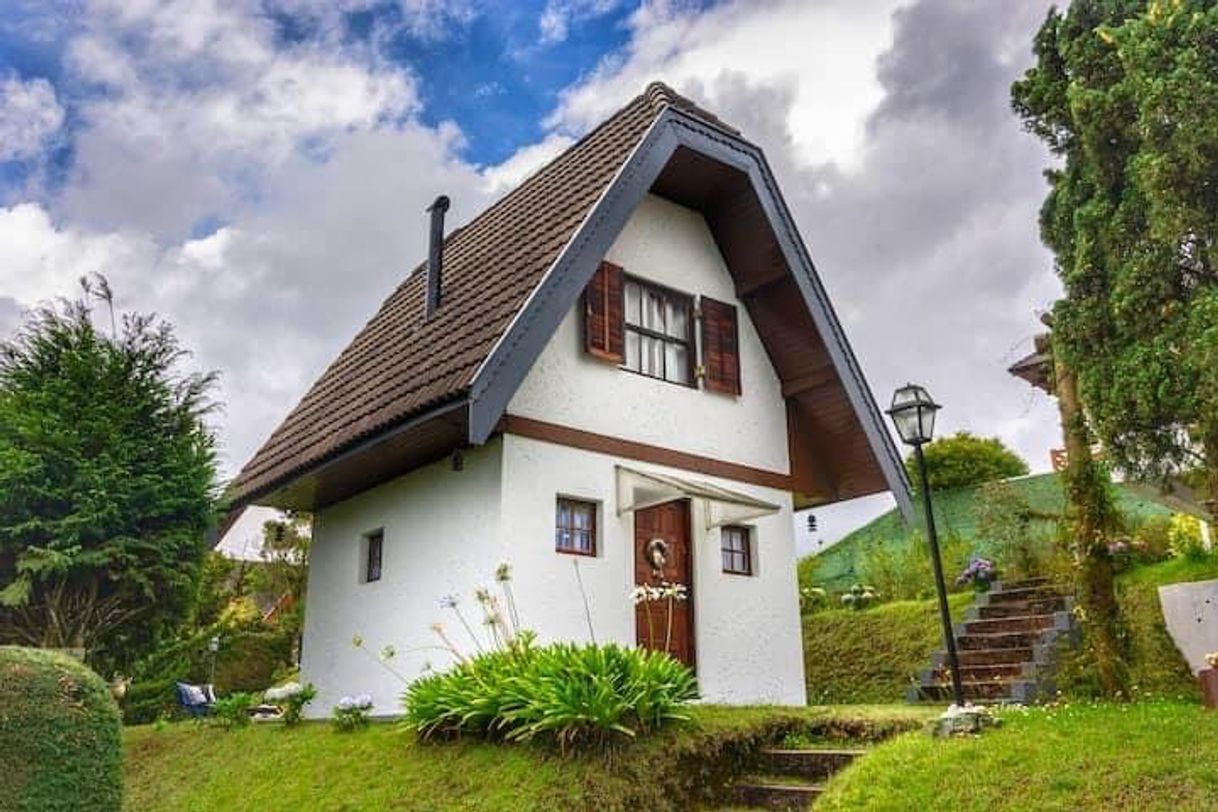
x=514, y=354
x=305, y=487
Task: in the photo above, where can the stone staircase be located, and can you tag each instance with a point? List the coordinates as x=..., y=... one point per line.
x=789, y=778
x=1007, y=646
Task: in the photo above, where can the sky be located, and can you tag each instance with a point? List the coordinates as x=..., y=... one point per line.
x=256, y=171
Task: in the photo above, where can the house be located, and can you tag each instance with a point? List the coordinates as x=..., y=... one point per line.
x=627, y=370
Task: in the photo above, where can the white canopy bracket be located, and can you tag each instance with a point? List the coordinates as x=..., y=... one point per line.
x=637, y=490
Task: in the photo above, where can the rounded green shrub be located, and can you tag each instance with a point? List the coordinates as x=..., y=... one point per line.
x=59, y=733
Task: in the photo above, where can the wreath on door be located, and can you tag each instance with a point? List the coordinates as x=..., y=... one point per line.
x=657, y=554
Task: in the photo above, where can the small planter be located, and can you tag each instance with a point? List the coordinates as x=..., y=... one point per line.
x=1208, y=678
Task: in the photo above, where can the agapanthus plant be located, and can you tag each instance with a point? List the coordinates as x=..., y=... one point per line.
x=664, y=592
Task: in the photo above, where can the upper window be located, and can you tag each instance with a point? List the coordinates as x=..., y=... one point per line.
x=575, y=527
x=737, y=549
x=659, y=332
x=373, y=556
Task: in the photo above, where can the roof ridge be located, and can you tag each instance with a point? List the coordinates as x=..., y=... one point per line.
x=660, y=93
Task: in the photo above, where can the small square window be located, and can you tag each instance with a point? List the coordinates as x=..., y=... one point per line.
x=737, y=549
x=575, y=527
x=373, y=555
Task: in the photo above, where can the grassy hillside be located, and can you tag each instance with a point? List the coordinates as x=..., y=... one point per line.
x=1151, y=756
x=871, y=656
x=956, y=514
x=1157, y=669
x=269, y=768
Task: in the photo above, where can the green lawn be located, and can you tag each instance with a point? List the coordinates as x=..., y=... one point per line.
x=270, y=768
x=1150, y=756
x=872, y=655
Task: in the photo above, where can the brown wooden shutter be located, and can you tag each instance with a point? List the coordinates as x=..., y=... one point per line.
x=720, y=347
x=604, y=315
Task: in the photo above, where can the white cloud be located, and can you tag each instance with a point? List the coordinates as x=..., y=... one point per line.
x=889, y=130
x=506, y=176
x=307, y=156
x=558, y=16
x=29, y=115
x=201, y=103
x=826, y=51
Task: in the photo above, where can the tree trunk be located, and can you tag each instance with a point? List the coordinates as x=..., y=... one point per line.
x=1090, y=509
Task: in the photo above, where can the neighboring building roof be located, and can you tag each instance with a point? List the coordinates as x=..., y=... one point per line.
x=408, y=389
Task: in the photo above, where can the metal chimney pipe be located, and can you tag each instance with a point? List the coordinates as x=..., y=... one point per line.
x=435, y=254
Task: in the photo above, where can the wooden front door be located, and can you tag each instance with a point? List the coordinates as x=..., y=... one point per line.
x=669, y=523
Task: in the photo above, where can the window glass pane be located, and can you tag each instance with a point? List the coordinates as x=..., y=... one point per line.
x=575, y=530
x=653, y=311
x=372, y=566
x=633, y=293
x=651, y=356
x=678, y=321
x=632, y=351
x=676, y=366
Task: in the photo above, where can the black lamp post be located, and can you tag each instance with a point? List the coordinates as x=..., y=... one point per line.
x=913, y=412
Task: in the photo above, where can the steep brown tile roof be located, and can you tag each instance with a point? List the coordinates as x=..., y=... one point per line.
x=400, y=365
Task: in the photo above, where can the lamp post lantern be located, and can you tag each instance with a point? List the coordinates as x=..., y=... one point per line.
x=213, y=645
x=913, y=412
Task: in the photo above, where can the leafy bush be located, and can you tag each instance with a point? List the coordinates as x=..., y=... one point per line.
x=351, y=713
x=570, y=694
x=859, y=597
x=1184, y=536
x=812, y=599
x=1018, y=536
x=147, y=701
x=59, y=733
x=233, y=710
x=1153, y=535
x=963, y=459
x=903, y=571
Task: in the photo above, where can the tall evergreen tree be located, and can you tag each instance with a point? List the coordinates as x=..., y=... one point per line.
x=1126, y=93
x=107, y=481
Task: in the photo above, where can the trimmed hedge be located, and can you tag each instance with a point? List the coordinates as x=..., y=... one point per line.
x=59, y=733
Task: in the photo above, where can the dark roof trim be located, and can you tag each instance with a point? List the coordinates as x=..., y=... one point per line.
x=254, y=497
x=509, y=362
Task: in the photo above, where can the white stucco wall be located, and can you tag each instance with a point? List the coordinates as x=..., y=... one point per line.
x=446, y=531
x=442, y=536
x=671, y=245
x=746, y=628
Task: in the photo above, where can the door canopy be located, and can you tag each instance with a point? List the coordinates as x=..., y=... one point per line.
x=637, y=490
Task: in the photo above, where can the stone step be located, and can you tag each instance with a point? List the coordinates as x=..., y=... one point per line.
x=777, y=796
x=817, y=765
x=993, y=656
x=974, y=642
x=1019, y=623
x=991, y=691
x=978, y=673
x=1024, y=583
x=1040, y=606
x=1021, y=594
